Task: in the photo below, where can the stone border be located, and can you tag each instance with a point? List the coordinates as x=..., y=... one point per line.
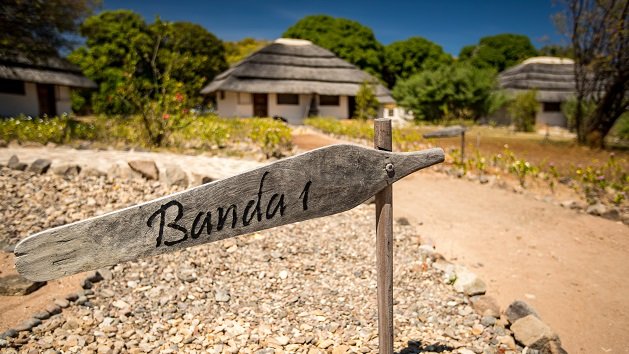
x=522, y=325
x=56, y=307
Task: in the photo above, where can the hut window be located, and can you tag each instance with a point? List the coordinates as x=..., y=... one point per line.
x=329, y=100
x=287, y=98
x=552, y=107
x=390, y=112
x=221, y=95
x=244, y=98
x=14, y=87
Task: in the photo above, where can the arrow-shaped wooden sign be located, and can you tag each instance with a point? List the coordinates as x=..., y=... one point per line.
x=314, y=184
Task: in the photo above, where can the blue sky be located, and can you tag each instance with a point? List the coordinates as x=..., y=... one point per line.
x=451, y=24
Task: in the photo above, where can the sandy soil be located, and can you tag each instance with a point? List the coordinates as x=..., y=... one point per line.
x=570, y=267
x=15, y=309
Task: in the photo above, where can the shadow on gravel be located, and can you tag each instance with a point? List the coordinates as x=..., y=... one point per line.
x=414, y=346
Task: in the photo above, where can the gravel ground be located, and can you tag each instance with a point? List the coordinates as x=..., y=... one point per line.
x=307, y=287
x=31, y=203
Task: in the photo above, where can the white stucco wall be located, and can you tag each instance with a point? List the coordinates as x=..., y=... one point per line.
x=340, y=111
x=229, y=106
x=14, y=105
x=294, y=114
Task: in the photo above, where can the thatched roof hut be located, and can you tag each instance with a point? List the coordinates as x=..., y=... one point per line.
x=38, y=87
x=553, y=78
x=50, y=70
x=294, y=67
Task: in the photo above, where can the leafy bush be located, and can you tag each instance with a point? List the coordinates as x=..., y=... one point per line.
x=366, y=102
x=569, y=109
x=195, y=132
x=523, y=109
x=449, y=92
x=57, y=130
x=621, y=128
x=355, y=129
x=404, y=139
x=272, y=136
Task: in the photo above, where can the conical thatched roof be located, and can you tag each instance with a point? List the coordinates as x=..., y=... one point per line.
x=294, y=66
x=552, y=77
x=43, y=70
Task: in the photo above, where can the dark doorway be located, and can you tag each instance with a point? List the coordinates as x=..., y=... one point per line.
x=351, y=106
x=46, y=99
x=260, y=105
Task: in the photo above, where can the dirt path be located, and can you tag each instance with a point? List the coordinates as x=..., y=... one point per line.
x=16, y=309
x=570, y=267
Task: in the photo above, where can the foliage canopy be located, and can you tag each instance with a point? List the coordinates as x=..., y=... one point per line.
x=121, y=50
x=237, y=51
x=40, y=27
x=499, y=52
x=346, y=38
x=448, y=92
x=404, y=58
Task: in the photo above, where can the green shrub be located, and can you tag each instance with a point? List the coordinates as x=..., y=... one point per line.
x=354, y=129
x=366, y=102
x=621, y=127
x=569, y=109
x=523, y=109
x=56, y=130
x=272, y=136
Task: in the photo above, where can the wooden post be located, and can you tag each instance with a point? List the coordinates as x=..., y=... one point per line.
x=463, y=146
x=384, y=242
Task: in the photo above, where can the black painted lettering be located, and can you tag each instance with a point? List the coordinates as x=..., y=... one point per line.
x=207, y=223
x=246, y=217
x=304, y=195
x=280, y=205
x=173, y=225
x=223, y=214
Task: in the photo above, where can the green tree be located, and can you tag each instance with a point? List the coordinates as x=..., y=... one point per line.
x=40, y=27
x=237, y=51
x=346, y=38
x=448, y=92
x=187, y=52
x=366, y=102
x=404, y=58
x=600, y=43
x=523, y=110
x=111, y=37
x=201, y=56
x=499, y=52
x=555, y=50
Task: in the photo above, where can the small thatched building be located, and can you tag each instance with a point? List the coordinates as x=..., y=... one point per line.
x=292, y=79
x=553, y=78
x=38, y=87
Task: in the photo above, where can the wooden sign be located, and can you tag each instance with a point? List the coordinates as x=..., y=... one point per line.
x=314, y=184
x=455, y=130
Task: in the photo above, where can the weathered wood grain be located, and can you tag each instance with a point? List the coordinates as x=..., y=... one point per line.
x=455, y=130
x=383, y=140
x=314, y=184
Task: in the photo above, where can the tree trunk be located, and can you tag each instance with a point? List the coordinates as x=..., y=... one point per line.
x=611, y=106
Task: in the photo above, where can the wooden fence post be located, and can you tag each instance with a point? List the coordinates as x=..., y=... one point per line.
x=384, y=242
x=463, y=146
